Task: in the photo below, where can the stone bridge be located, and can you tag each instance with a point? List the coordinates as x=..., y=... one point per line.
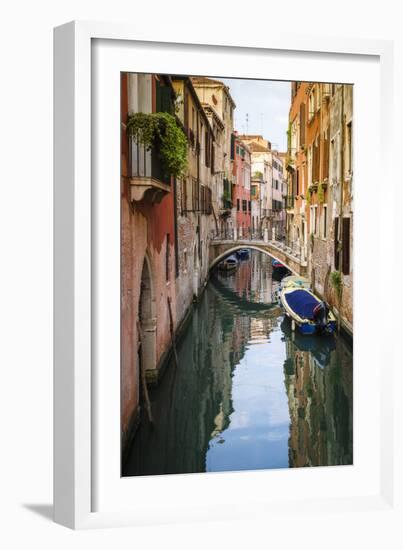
x=220, y=248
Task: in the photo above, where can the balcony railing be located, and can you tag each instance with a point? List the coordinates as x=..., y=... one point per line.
x=148, y=179
x=146, y=164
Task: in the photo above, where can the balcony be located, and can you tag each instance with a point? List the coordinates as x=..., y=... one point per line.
x=147, y=178
x=289, y=202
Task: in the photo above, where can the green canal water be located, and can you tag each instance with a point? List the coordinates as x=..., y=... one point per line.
x=247, y=393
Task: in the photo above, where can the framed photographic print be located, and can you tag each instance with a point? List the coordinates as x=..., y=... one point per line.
x=219, y=244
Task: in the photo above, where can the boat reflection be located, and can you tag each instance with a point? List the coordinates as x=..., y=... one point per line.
x=318, y=381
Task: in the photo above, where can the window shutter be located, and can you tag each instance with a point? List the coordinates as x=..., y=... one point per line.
x=302, y=124
x=326, y=146
x=163, y=98
x=346, y=246
x=212, y=158
x=232, y=146
x=336, y=248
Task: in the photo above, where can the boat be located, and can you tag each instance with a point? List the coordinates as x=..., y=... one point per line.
x=295, y=281
x=243, y=253
x=228, y=264
x=279, y=270
x=310, y=314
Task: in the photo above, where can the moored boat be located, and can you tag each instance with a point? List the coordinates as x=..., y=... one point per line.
x=279, y=270
x=243, y=253
x=295, y=281
x=310, y=314
x=228, y=264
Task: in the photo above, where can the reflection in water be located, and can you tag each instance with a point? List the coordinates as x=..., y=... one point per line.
x=247, y=393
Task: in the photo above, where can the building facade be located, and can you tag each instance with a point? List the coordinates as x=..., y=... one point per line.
x=278, y=203
x=215, y=96
x=148, y=245
x=320, y=189
x=261, y=161
x=241, y=190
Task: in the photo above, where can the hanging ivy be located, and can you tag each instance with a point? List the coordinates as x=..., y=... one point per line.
x=308, y=196
x=321, y=193
x=337, y=283
x=160, y=132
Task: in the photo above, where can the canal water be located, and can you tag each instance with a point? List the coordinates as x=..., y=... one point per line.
x=247, y=393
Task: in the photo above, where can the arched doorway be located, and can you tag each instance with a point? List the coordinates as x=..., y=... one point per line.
x=147, y=320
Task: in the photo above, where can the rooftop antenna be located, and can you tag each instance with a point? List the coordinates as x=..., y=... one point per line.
x=247, y=123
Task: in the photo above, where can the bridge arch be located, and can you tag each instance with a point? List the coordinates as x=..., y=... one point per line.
x=261, y=249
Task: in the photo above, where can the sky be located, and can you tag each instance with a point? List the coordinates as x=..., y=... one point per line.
x=266, y=102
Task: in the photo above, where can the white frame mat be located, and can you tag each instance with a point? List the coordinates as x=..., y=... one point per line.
x=88, y=490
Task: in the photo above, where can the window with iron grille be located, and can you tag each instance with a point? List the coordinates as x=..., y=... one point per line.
x=244, y=205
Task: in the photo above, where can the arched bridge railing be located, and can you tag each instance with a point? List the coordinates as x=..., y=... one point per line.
x=221, y=245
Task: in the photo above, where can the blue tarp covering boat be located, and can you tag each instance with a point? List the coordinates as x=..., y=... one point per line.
x=311, y=315
x=302, y=302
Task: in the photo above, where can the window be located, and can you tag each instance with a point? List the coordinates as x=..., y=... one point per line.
x=202, y=199
x=315, y=160
x=238, y=205
x=349, y=137
x=324, y=221
x=183, y=196
x=312, y=103
x=346, y=246
x=313, y=220
x=167, y=258
x=195, y=195
x=249, y=205
x=326, y=145
x=244, y=205
x=302, y=124
x=309, y=165
x=333, y=161
x=208, y=201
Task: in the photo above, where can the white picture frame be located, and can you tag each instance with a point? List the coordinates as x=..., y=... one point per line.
x=85, y=495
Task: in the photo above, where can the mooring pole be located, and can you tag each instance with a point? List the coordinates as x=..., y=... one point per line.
x=144, y=381
x=171, y=328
